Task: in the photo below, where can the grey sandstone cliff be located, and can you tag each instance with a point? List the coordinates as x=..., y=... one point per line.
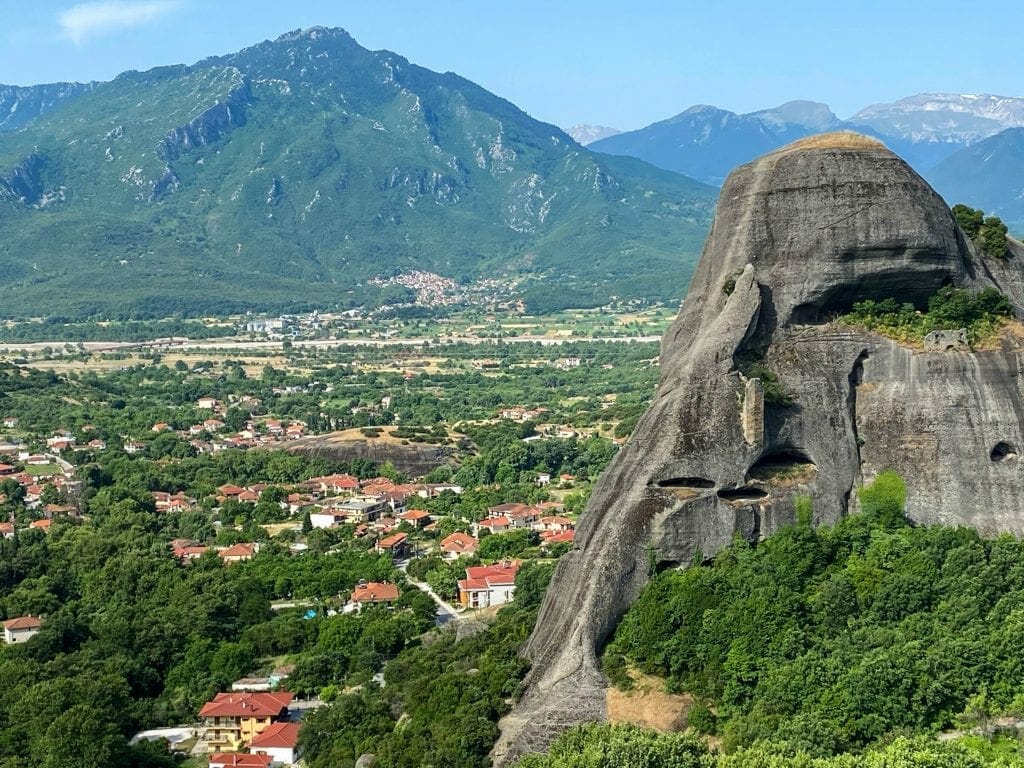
x=799, y=236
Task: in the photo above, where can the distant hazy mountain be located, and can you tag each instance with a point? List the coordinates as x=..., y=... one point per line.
x=20, y=105
x=706, y=142
x=944, y=117
x=291, y=173
x=810, y=114
x=987, y=175
x=587, y=134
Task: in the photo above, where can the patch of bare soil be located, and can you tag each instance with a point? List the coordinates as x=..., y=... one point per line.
x=648, y=704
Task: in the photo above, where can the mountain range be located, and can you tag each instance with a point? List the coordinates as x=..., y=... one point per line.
x=294, y=172
x=943, y=136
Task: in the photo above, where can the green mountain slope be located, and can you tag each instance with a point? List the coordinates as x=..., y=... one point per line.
x=288, y=174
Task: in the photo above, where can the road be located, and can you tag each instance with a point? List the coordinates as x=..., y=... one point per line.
x=445, y=611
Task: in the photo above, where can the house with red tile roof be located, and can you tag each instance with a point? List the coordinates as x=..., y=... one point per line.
x=372, y=592
x=458, y=544
x=496, y=524
x=417, y=518
x=396, y=545
x=279, y=742
x=238, y=552
x=333, y=483
x=42, y=525
x=232, y=720
x=239, y=760
x=487, y=585
x=230, y=490
x=21, y=629
x=558, y=537
x=185, y=553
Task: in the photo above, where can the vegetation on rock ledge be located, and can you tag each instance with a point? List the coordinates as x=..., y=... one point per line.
x=982, y=314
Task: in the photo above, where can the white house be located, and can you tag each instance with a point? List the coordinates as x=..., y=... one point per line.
x=21, y=629
x=279, y=741
x=487, y=585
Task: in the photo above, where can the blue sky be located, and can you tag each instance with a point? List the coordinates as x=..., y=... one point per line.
x=565, y=61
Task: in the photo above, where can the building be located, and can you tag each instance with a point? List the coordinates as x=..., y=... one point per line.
x=236, y=553
x=417, y=518
x=372, y=593
x=280, y=742
x=333, y=483
x=487, y=585
x=21, y=629
x=554, y=523
x=232, y=720
x=237, y=760
x=363, y=510
x=396, y=545
x=458, y=544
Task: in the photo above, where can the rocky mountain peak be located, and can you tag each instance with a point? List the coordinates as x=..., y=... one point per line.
x=764, y=397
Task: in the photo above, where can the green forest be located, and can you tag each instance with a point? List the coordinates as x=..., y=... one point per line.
x=824, y=641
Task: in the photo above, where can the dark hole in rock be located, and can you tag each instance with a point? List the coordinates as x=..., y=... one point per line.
x=788, y=465
x=686, y=482
x=1003, y=452
x=744, y=493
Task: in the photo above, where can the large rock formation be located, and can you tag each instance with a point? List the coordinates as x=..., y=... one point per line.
x=799, y=236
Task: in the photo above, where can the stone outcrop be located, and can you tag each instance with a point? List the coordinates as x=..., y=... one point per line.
x=799, y=236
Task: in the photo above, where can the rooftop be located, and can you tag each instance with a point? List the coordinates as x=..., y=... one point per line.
x=246, y=705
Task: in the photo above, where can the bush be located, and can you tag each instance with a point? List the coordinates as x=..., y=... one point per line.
x=989, y=233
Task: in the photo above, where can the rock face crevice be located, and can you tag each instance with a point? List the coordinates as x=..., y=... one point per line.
x=798, y=237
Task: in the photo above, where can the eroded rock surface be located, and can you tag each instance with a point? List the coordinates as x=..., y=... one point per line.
x=799, y=236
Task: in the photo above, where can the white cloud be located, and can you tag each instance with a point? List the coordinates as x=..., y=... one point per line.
x=92, y=19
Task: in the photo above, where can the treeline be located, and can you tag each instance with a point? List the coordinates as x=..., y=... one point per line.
x=65, y=329
x=626, y=746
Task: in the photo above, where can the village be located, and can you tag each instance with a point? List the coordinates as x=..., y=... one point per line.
x=256, y=721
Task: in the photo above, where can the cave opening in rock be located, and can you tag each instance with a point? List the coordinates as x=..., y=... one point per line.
x=746, y=493
x=1003, y=452
x=696, y=483
x=783, y=466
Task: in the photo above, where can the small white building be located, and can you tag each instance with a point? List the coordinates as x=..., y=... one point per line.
x=21, y=629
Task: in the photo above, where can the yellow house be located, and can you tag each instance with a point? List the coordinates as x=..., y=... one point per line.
x=232, y=720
